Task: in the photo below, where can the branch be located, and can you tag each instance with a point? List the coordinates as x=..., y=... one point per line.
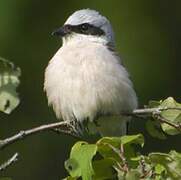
x=9, y=162
x=64, y=127
x=163, y=120
x=70, y=128
x=155, y=113
x=149, y=111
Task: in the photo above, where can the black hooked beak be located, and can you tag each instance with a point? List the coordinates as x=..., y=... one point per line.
x=62, y=31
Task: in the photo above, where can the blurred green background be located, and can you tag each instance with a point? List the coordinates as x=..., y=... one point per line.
x=148, y=37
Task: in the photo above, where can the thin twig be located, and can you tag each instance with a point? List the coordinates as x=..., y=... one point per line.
x=163, y=120
x=124, y=166
x=9, y=162
x=65, y=128
x=123, y=158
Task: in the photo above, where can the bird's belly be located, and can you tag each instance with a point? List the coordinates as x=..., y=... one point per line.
x=82, y=87
x=83, y=93
x=80, y=97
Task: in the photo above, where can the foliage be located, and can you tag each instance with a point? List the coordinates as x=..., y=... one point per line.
x=169, y=114
x=81, y=156
x=9, y=80
x=112, y=157
x=120, y=157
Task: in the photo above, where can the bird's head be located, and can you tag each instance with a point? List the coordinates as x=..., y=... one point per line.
x=88, y=25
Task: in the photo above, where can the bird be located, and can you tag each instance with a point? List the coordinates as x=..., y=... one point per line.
x=85, y=81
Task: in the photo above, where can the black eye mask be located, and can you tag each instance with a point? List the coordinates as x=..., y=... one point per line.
x=84, y=28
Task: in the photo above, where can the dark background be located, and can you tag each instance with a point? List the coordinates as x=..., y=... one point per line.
x=148, y=37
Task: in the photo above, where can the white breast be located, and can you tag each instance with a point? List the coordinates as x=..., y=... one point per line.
x=84, y=79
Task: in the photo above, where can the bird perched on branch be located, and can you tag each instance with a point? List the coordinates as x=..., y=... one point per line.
x=85, y=81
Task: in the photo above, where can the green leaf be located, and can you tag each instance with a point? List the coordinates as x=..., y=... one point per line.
x=168, y=103
x=105, y=145
x=154, y=129
x=170, y=129
x=133, y=139
x=5, y=178
x=133, y=175
x=154, y=104
x=80, y=162
x=171, y=163
x=104, y=169
x=172, y=115
x=117, y=141
x=174, y=167
x=160, y=158
x=9, y=75
x=109, y=147
x=120, y=175
x=159, y=172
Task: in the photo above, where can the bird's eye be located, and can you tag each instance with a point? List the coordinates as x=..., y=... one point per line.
x=84, y=27
x=68, y=27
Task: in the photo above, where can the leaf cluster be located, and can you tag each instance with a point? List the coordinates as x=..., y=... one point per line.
x=166, y=120
x=119, y=158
